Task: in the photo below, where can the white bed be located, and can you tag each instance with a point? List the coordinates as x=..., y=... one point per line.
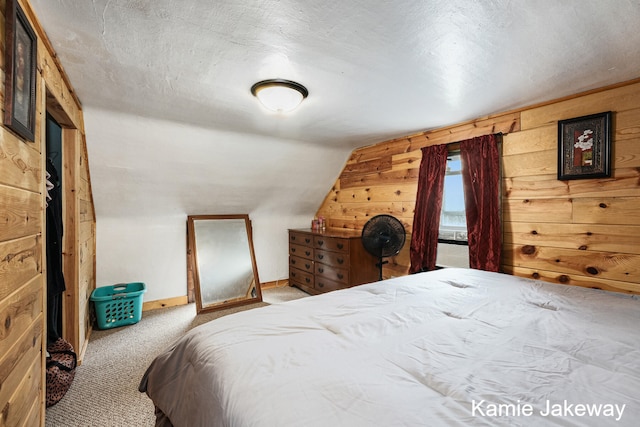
x=453, y=347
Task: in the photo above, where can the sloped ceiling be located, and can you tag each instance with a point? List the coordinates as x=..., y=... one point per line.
x=172, y=126
x=375, y=69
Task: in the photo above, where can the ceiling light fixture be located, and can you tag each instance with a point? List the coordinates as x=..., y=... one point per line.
x=279, y=95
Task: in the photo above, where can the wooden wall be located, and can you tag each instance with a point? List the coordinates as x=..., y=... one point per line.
x=579, y=232
x=22, y=237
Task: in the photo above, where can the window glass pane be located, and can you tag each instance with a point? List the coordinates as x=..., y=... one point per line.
x=453, y=221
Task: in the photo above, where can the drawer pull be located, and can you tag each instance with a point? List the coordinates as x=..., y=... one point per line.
x=321, y=270
x=293, y=261
x=293, y=249
x=307, y=266
x=321, y=285
x=307, y=280
x=293, y=237
x=320, y=256
x=340, y=260
x=293, y=274
x=307, y=253
x=340, y=246
x=340, y=276
x=307, y=240
x=320, y=242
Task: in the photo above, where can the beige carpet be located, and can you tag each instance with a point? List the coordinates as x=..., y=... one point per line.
x=105, y=390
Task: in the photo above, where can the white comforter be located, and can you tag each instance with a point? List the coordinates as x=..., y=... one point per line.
x=445, y=348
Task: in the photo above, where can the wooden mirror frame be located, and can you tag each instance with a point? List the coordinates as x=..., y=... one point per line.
x=252, y=295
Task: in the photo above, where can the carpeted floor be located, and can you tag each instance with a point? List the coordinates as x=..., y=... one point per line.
x=105, y=389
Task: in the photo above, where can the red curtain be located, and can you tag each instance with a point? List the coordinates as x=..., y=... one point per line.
x=481, y=182
x=426, y=220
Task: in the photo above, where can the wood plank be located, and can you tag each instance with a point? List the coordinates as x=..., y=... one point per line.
x=566, y=279
x=528, y=164
x=616, y=99
x=376, y=165
x=71, y=246
x=531, y=141
x=607, y=210
x=626, y=154
x=164, y=303
x=58, y=98
x=20, y=262
x=593, y=237
x=15, y=376
x=26, y=395
x=380, y=178
x=534, y=187
x=504, y=123
x=537, y=210
x=19, y=311
x=398, y=193
x=20, y=213
x=19, y=162
x=624, y=183
x=410, y=160
x=607, y=265
x=626, y=125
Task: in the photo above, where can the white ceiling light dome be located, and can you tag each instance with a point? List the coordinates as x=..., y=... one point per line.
x=281, y=96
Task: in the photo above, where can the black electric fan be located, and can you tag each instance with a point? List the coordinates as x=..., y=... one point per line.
x=383, y=236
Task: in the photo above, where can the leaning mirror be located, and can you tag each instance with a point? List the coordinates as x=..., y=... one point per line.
x=220, y=250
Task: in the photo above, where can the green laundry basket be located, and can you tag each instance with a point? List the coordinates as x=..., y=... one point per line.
x=118, y=305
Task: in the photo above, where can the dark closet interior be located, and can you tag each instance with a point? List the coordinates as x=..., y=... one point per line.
x=55, y=278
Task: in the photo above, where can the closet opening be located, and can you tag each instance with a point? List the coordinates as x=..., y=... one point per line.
x=54, y=229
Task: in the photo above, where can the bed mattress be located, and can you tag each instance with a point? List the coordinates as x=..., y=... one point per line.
x=453, y=347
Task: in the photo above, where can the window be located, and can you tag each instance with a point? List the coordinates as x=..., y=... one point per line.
x=453, y=248
x=453, y=221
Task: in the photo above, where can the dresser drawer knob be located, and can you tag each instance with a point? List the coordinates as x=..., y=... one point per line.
x=321, y=284
x=293, y=237
x=340, y=260
x=307, y=280
x=321, y=270
x=307, y=240
x=320, y=256
x=293, y=261
x=340, y=246
x=340, y=276
x=320, y=242
x=307, y=266
x=293, y=249
x=307, y=253
x=293, y=274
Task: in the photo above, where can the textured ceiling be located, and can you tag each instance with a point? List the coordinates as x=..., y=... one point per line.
x=172, y=128
x=375, y=69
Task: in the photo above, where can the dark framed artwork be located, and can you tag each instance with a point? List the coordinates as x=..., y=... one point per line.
x=20, y=72
x=584, y=147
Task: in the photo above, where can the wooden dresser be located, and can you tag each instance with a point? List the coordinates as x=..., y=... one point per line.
x=323, y=261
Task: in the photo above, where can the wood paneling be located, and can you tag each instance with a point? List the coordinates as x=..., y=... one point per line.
x=23, y=235
x=579, y=232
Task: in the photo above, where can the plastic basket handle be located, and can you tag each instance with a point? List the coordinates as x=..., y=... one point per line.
x=116, y=296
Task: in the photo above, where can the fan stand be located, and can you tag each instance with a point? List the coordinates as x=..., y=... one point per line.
x=379, y=264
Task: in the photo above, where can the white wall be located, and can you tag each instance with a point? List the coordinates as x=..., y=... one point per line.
x=148, y=175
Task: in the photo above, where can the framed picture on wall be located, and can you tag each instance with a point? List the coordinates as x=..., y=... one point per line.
x=584, y=147
x=20, y=72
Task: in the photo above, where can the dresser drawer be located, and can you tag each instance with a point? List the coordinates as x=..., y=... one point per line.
x=334, y=259
x=326, y=285
x=303, y=239
x=331, y=244
x=301, y=263
x=301, y=251
x=302, y=277
x=332, y=273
